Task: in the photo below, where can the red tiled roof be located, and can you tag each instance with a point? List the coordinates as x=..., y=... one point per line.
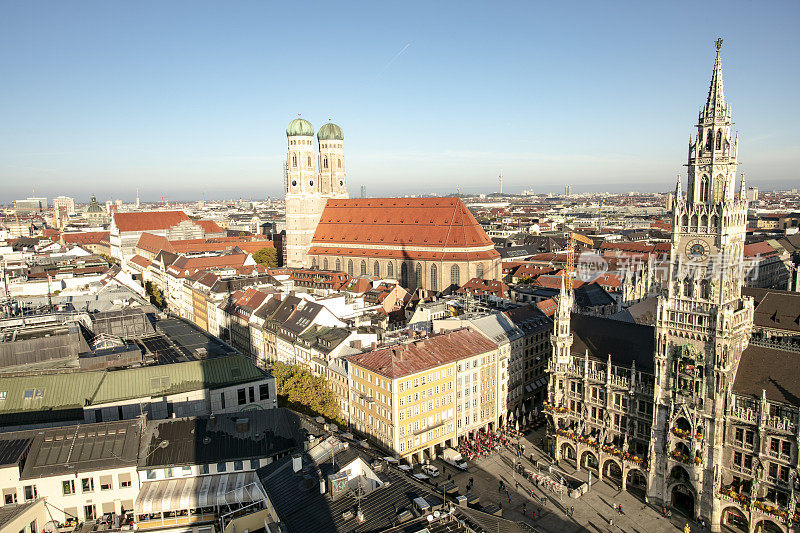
x=532, y=271
x=762, y=248
x=209, y=226
x=434, y=222
x=86, y=237
x=140, y=261
x=548, y=307
x=51, y=233
x=404, y=359
x=410, y=255
x=154, y=243
x=148, y=220
x=485, y=286
x=554, y=282
x=186, y=266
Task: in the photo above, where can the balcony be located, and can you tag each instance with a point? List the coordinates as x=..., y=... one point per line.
x=745, y=415
x=783, y=425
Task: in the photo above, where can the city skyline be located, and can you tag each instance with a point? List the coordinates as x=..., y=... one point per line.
x=109, y=98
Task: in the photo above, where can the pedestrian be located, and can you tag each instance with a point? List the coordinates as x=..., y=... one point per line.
x=509, y=498
x=571, y=510
x=620, y=508
x=523, y=510
x=533, y=515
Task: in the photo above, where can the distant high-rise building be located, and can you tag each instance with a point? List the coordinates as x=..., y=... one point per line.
x=64, y=202
x=30, y=205
x=752, y=194
x=363, y=191
x=567, y=190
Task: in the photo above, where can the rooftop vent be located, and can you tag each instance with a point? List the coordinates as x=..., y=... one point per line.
x=297, y=462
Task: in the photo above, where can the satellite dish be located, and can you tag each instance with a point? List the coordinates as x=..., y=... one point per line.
x=430, y=518
x=436, y=514
x=50, y=527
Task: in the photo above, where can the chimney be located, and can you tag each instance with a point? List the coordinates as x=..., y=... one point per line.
x=356, y=344
x=322, y=486
x=297, y=462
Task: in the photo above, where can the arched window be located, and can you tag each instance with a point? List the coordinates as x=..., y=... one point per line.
x=694, y=221
x=479, y=271
x=294, y=160
x=685, y=220
x=719, y=139
x=340, y=163
x=313, y=262
x=704, y=189
x=363, y=268
x=719, y=188
x=419, y=278
x=390, y=270
x=705, y=290
x=455, y=276
x=434, y=285
x=325, y=264
x=687, y=287
x=714, y=222
x=709, y=140
x=350, y=267
x=376, y=268
x=325, y=163
x=309, y=161
x=404, y=274
x=704, y=221
x=338, y=266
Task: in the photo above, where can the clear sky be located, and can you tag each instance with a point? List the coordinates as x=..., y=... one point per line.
x=184, y=97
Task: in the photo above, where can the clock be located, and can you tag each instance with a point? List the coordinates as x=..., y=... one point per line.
x=697, y=250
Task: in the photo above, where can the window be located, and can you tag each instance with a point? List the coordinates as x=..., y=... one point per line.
x=363, y=268
x=105, y=483
x=252, y=391
x=222, y=400
x=404, y=274
x=338, y=265
x=376, y=268
x=419, y=278
x=9, y=496
x=455, y=276
x=151, y=474
x=221, y=467
x=433, y=278
x=204, y=469
x=87, y=484
x=238, y=465
x=390, y=270
x=479, y=270
x=29, y=491
x=350, y=267
x=28, y=394
x=263, y=392
x=325, y=263
x=242, y=396
x=3, y=395
x=124, y=481
x=254, y=463
x=294, y=161
x=68, y=487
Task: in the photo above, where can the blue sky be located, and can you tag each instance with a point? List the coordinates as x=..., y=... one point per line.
x=184, y=97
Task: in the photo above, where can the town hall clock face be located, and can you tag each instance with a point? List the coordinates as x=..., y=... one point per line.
x=697, y=250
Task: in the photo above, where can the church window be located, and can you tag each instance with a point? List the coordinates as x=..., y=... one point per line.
x=419, y=275
x=325, y=264
x=390, y=270
x=433, y=278
x=719, y=139
x=714, y=222
x=687, y=287
x=294, y=160
x=705, y=291
x=309, y=161
x=479, y=271
x=704, y=189
x=685, y=220
x=350, y=267
x=363, y=268
x=376, y=269
x=704, y=221
x=340, y=163
x=338, y=266
x=404, y=274
x=455, y=276
x=694, y=221
x=719, y=188
x=709, y=140
x=325, y=163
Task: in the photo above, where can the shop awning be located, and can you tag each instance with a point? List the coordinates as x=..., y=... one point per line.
x=201, y=491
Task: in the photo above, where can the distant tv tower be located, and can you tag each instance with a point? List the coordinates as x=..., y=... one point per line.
x=137, y=198
x=501, y=181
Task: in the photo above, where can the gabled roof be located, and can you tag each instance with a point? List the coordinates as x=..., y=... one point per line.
x=769, y=369
x=209, y=226
x=148, y=220
x=775, y=309
x=418, y=222
x=86, y=237
x=624, y=341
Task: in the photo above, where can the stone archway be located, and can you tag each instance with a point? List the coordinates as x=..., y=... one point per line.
x=589, y=462
x=569, y=454
x=768, y=526
x=612, y=473
x=733, y=519
x=683, y=499
x=636, y=483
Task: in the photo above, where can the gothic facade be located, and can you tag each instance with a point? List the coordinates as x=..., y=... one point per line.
x=705, y=423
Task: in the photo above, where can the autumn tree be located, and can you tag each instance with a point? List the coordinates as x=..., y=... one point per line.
x=267, y=256
x=299, y=389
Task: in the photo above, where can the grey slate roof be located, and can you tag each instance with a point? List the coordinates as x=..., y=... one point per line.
x=775, y=371
x=625, y=341
x=206, y=440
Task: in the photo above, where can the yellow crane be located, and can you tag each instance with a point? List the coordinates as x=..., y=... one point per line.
x=573, y=238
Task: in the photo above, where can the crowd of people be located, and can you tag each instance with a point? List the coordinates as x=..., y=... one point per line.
x=484, y=444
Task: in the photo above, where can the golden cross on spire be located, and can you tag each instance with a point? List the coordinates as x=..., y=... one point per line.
x=719, y=43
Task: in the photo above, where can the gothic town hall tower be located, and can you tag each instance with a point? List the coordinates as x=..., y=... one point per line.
x=702, y=322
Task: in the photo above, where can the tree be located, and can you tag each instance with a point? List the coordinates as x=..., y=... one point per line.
x=156, y=298
x=267, y=256
x=301, y=390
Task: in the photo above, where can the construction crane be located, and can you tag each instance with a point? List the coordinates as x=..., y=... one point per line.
x=573, y=238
